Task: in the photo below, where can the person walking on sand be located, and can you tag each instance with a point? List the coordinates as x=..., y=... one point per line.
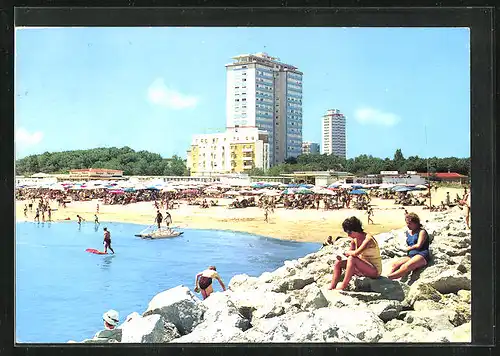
x=168, y=219
x=363, y=258
x=80, y=219
x=370, y=214
x=158, y=218
x=107, y=241
x=37, y=215
x=25, y=211
x=203, y=281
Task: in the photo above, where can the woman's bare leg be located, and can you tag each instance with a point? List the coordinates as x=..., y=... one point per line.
x=356, y=264
x=415, y=262
x=337, y=271
x=209, y=290
x=398, y=263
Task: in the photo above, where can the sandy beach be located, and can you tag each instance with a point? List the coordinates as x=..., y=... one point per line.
x=298, y=225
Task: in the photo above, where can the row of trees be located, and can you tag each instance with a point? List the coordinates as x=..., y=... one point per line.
x=147, y=163
x=367, y=164
x=125, y=159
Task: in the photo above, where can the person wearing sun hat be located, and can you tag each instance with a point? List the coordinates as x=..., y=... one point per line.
x=110, y=333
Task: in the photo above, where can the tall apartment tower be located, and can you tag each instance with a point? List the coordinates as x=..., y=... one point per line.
x=333, y=133
x=265, y=93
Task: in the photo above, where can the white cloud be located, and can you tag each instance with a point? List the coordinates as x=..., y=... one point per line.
x=25, y=139
x=377, y=117
x=160, y=94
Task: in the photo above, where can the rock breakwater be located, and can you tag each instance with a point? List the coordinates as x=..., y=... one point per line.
x=293, y=303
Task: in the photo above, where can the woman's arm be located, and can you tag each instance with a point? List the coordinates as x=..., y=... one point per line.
x=221, y=283
x=196, y=279
x=363, y=246
x=353, y=245
x=422, y=236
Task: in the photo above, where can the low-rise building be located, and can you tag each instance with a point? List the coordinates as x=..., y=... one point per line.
x=237, y=150
x=87, y=174
x=450, y=177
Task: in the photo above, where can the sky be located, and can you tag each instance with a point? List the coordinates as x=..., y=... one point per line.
x=152, y=88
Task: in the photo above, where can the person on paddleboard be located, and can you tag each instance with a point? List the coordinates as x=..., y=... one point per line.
x=203, y=282
x=107, y=241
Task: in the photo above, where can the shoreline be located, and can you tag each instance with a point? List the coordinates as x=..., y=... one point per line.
x=285, y=224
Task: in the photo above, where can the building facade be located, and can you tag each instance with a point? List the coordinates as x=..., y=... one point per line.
x=333, y=133
x=235, y=151
x=310, y=148
x=265, y=93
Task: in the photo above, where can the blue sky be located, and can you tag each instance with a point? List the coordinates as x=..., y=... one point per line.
x=153, y=88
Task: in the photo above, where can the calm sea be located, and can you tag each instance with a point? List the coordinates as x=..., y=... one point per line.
x=62, y=291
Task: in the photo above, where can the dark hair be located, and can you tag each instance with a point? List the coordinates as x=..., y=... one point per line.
x=414, y=218
x=352, y=224
x=212, y=267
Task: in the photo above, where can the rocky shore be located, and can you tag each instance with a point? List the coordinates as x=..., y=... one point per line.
x=293, y=304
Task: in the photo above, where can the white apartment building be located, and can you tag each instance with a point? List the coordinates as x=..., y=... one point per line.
x=309, y=147
x=333, y=133
x=265, y=93
x=235, y=151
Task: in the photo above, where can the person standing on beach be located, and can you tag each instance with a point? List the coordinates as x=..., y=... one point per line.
x=96, y=219
x=25, y=211
x=107, y=241
x=80, y=219
x=30, y=205
x=97, y=208
x=266, y=213
x=49, y=212
x=465, y=202
x=158, y=218
x=203, y=282
x=168, y=219
x=370, y=214
x=37, y=215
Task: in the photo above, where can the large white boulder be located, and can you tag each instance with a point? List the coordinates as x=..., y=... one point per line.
x=178, y=306
x=149, y=329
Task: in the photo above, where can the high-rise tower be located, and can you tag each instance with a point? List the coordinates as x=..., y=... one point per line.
x=334, y=133
x=265, y=93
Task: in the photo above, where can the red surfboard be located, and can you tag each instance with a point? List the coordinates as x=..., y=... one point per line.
x=97, y=252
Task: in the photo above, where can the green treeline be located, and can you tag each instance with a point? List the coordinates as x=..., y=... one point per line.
x=367, y=164
x=147, y=163
x=125, y=159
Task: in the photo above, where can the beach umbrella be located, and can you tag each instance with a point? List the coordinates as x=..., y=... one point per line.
x=421, y=187
x=357, y=186
x=345, y=186
x=357, y=192
x=403, y=189
x=129, y=190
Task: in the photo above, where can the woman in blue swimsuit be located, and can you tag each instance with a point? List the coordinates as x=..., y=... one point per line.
x=417, y=240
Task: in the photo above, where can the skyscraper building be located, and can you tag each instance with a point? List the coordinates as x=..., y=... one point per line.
x=333, y=133
x=265, y=93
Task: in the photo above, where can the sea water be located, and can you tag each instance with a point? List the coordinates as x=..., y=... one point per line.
x=62, y=291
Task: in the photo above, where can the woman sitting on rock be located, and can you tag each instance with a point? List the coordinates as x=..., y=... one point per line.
x=204, y=279
x=417, y=240
x=363, y=258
